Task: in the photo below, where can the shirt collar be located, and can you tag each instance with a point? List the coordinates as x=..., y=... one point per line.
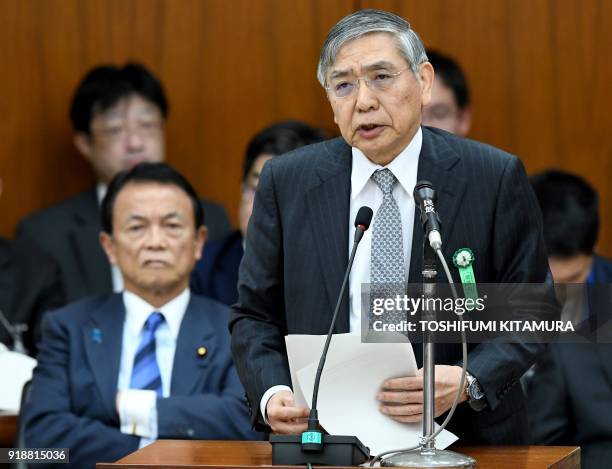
x=138, y=310
x=404, y=166
x=101, y=189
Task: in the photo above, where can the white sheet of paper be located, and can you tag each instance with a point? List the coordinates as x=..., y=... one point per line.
x=18, y=368
x=347, y=394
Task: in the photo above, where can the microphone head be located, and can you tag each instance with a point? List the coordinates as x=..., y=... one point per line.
x=364, y=217
x=424, y=190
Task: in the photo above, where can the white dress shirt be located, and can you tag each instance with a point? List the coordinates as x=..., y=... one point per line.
x=116, y=276
x=364, y=191
x=138, y=407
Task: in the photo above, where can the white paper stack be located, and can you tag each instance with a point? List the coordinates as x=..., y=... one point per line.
x=352, y=377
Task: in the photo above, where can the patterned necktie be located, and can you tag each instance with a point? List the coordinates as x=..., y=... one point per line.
x=387, y=276
x=145, y=373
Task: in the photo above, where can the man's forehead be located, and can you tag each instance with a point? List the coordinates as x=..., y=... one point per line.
x=369, y=52
x=152, y=197
x=133, y=103
x=382, y=64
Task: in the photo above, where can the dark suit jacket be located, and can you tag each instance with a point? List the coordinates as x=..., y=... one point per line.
x=297, y=251
x=216, y=274
x=30, y=285
x=570, y=398
x=72, y=398
x=69, y=232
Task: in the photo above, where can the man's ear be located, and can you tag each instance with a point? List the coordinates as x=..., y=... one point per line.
x=108, y=245
x=465, y=120
x=201, y=237
x=82, y=142
x=426, y=77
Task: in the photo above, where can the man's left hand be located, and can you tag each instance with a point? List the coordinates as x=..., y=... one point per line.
x=402, y=398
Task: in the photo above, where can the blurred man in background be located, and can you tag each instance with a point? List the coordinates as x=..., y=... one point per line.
x=570, y=392
x=216, y=274
x=118, y=116
x=29, y=286
x=449, y=108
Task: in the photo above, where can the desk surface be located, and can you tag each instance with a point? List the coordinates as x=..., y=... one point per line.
x=175, y=454
x=8, y=428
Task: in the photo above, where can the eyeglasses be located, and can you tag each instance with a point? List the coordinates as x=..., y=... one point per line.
x=439, y=112
x=376, y=80
x=120, y=130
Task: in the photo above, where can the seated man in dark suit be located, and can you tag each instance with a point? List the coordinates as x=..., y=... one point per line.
x=570, y=392
x=118, y=119
x=216, y=274
x=115, y=372
x=29, y=286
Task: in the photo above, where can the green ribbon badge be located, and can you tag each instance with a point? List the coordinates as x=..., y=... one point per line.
x=463, y=260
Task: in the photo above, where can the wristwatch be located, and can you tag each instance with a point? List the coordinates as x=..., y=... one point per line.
x=474, y=392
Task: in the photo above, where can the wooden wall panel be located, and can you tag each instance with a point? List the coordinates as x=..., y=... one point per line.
x=229, y=67
x=539, y=71
x=540, y=77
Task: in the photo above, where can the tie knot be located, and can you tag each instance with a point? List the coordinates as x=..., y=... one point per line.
x=153, y=321
x=384, y=179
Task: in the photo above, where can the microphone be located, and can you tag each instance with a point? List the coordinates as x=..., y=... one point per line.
x=310, y=447
x=362, y=223
x=425, y=197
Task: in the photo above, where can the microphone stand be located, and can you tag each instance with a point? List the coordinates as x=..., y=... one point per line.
x=428, y=456
x=15, y=331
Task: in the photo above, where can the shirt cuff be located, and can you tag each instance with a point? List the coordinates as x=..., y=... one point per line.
x=266, y=397
x=138, y=412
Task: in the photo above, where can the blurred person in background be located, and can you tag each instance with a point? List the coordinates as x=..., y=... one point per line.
x=29, y=286
x=216, y=274
x=118, y=116
x=570, y=390
x=449, y=108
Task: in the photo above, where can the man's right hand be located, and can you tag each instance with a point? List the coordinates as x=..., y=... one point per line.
x=283, y=416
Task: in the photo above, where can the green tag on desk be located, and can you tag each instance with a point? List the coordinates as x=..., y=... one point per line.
x=463, y=260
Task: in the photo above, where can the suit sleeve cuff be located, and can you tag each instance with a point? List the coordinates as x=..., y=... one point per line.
x=138, y=412
x=266, y=397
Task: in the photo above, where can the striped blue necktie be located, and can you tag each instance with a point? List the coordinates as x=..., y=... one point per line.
x=145, y=373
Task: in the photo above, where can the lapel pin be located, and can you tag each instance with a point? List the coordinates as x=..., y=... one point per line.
x=463, y=260
x=96, y=335
x=202, y=351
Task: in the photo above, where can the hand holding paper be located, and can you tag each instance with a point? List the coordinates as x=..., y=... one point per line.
x=284, y=416
x=402, y=398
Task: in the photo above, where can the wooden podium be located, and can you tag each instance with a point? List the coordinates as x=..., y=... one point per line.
x=8, y=429
x=182, y=454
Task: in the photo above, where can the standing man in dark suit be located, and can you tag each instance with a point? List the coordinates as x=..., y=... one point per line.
x=375, y=71
x=570, y=392
x=116, y=372
x=216, y=274
x=29, y=286
x=118, y=117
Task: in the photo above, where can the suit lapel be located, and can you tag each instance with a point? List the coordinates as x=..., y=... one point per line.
x=102, y=338
x=196, y=331
x=92, y=261
x=328, y=202
x=435, y=163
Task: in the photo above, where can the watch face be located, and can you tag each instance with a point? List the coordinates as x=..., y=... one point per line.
x=475, y=391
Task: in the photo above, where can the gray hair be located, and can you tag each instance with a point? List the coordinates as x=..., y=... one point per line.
x=364, y=22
